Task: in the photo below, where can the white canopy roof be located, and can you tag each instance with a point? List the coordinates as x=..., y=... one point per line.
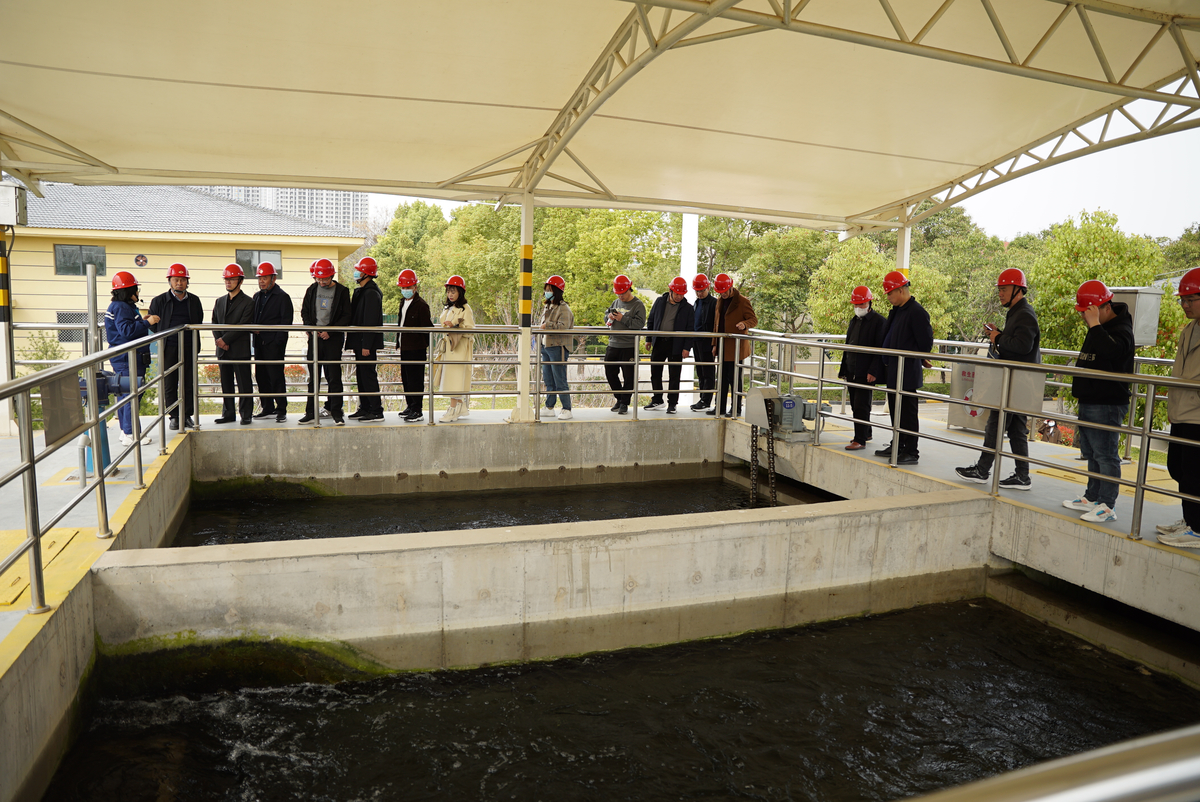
x=837, y=114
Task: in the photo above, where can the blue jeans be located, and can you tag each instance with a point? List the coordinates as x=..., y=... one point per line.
x=555, y=376
x=1100, y=449
x=125, y=413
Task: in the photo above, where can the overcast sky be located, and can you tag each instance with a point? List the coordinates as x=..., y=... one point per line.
x=1152, y=186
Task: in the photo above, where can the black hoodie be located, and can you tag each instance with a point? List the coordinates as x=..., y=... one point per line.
x=1110, y=347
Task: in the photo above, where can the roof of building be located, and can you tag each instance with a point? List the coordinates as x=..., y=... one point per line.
x=164, y=209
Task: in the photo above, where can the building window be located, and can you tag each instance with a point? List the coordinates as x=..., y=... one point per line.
x=69, y=260
x=250, y=260
x=78, y=319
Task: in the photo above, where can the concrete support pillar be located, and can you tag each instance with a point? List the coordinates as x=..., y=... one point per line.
x=523, y=413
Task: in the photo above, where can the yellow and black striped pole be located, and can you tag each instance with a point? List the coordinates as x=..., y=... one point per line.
x=7, y=368
x=522, y=413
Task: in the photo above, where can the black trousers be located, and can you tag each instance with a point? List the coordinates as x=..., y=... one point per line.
x=330, y=349
x=706, y=370
x=661, y=355
x=413, y=378
x=908, y=420
x=1018, y=438
x=245, y=404
x=272, y=385
x=860, y=408
x=1181, y=464
x=171, y=392
x=616, y=372
x=731, y=372
x=367, y=376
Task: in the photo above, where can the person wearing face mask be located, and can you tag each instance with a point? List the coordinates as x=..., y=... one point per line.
x=413, y=346
x=866, y=329
x=366, y=309
x=556, y=347
x=1019, y=341
x=177, y=307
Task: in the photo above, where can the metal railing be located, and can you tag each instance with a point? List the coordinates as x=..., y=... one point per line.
x=761, y=369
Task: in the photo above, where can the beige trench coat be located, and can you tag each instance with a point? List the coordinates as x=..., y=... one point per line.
x=452, y=357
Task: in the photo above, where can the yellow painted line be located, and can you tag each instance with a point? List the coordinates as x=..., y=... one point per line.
x=60, y=479
x=1155, y=477
x=14, y=581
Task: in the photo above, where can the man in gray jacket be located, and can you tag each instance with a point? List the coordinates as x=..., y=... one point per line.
x=1019, y=341
x=626, y=313
x=1183, y=411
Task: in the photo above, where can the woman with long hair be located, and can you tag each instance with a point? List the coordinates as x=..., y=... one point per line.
x=455, y=350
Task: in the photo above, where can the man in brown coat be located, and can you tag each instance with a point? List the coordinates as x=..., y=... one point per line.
x=734, y=315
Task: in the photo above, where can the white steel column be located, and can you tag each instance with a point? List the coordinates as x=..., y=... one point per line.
x=523, y=412
x=903, y=245
x=689, y=244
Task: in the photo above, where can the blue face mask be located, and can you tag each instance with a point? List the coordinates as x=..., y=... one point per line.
x=407, y=293
x=549, y=294
x=358, y=275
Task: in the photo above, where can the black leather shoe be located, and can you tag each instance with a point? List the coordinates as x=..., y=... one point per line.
x=623, y=409
x=906, y=459
x=246, y=421
x=712, y=411
x=266, y=413
x=615, y=407
x=225, y=419
x=886, y=451
x=173, y=425
x=188, y=423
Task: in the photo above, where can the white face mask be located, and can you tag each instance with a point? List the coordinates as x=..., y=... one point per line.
x=861, y=311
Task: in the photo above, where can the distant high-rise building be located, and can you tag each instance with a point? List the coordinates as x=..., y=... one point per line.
x=328, y=206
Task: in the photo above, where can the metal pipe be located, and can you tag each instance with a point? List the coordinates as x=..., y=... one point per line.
x=1005, y=385
x=37, y=592
x=429, y=371
x=1139, y=490
x=84, y=444
x=314, y=367
x=898, y=392
x=162, y=400
x=820, y=387
x=195, y=335
x=637, y=377
x=98, y=436
x=537, y=375
x=719, y=391
x=135, y=417
x=181, y=377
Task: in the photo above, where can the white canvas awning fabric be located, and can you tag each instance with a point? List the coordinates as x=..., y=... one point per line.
x=834, y=114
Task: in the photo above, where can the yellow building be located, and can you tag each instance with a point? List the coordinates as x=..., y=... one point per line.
x=145, y=230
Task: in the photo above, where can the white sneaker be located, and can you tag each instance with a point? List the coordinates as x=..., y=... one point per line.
x=1080, y=503
x=126, y=439
x=1100, y=514
x=564, y=414
x=1173, y=528
x=147, y=439
x=463, y=411
x=1184, y=539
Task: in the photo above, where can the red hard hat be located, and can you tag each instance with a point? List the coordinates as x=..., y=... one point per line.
x=456, y=281
x=893, y=280
x=1012, y=277
x=124, y=279
x=233, y=270
x=861, y=295
x=367, y=266
x=557, y=281
x=177, y=271
x=323, y=268
x=622, y=284
x=678, y=285
x=700, y=282
x=312, y=269
x=1092, y=293
x=265, y=269
x=722, y=283
x=1190, y=283
x=406, y=279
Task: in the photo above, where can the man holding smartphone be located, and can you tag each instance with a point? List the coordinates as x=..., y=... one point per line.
x=1019, y=341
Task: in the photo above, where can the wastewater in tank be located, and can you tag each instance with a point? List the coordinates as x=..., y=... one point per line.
x=876, y=708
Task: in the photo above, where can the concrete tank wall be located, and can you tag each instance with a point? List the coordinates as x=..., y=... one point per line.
x=432, y=600
x=421, y=458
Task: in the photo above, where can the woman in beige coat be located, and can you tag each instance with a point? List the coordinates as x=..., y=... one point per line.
x=452, y=360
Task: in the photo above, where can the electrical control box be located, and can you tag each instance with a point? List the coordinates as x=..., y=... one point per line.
x=12, y=205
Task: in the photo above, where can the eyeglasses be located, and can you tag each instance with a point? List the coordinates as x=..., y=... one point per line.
x=1188, y=301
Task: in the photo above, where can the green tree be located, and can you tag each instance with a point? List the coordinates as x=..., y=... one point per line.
x=778, y=273
x=726, y=244
x=404, y=246
x=853, y=262
x=1183, y=253
x=948, y=223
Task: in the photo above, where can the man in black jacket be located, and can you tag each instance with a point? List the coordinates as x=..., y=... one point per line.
x=272, y=307
x=908, y=329
x=1019, y=341
x=235, y=309
x=702, y=348
x=866, y=329
x=1107, y=346
x=413, y=346
x=326, y=303
x=366, y=309
x=671, y=312
x=178, y=307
